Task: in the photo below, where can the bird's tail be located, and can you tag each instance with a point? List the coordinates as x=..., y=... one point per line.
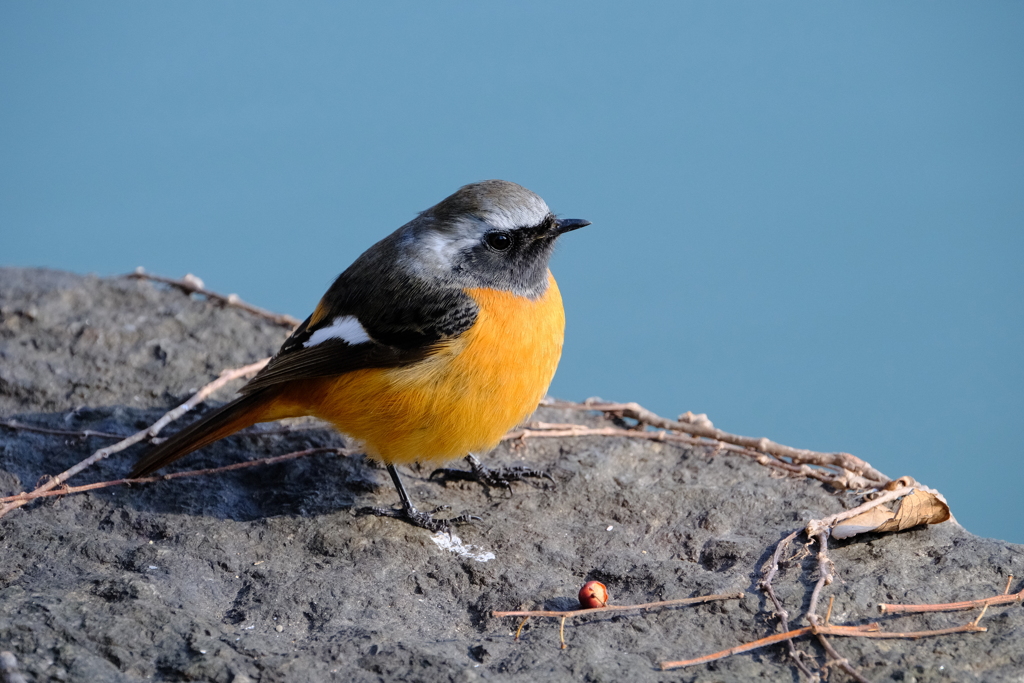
x=243, y=412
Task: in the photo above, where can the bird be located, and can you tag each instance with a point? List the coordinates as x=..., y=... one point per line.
x=435, y=342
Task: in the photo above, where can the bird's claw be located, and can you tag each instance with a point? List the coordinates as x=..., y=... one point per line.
x=424, y=520
x=500, y=477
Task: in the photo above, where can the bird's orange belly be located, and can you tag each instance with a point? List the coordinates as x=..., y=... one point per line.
x=460, y=400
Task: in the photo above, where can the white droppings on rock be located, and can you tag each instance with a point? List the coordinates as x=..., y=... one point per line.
x=448, y=541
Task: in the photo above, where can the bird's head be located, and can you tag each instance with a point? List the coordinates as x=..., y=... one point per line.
x=494, y=234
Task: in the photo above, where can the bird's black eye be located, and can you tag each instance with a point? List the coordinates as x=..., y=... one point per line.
x=499, y=241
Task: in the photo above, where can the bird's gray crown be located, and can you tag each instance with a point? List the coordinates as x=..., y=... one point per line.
x=499, y=203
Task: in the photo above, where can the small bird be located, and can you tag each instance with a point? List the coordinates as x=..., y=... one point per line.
x=430, y=346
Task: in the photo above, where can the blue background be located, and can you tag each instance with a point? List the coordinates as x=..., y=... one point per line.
x=807, y=216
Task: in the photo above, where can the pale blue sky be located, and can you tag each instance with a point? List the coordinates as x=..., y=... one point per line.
x=807, y=216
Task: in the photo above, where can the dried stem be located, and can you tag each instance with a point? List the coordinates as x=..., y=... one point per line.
x=858, y=474
x=1004, y=599
x=190, y=284
x=912, y=635
x=864, y=631
x=739, y=649
x=618, y=608
x=825, y=578
x=81, y=434
x=562, y=616
x=521, y=625
x=67, y=490
x=535, y=430
x=769, y=571
x=151, y=431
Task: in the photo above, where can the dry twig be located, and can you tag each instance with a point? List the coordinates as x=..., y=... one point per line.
x=190, y=284
x=1004, y=599
x=151, y=431
x=825, y=578
x=67, y=490
x=854, y=472
x=765, y=584
x=819, y=531
x=618, y=608
x=828, y=474
x=608, y=608
x=81, y=434
x=864, y=631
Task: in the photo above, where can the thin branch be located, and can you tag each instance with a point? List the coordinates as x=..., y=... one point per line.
x=86, y=433
x=190, y=284
x=747, y=647
x=765, y=584
x=876, y=632
x=861, y=474
x=865, y=631
x=81, y=434
x=1004, y=599
x=151, y=431
x=67, y=490
x=535, y=430
x=562, y=616
x=825, y=578
x=618, y=608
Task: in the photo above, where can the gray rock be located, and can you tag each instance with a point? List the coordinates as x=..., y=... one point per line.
x=270, y=574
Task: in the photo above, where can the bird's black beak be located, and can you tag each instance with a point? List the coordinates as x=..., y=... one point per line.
x=564, y=225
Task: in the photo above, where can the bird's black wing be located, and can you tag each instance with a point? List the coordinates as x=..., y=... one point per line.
x=404, y=320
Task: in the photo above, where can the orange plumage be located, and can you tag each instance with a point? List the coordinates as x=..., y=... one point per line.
x=462, y=399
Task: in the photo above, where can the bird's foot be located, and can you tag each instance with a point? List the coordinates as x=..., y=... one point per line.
x=424, y=520
x=501, y=477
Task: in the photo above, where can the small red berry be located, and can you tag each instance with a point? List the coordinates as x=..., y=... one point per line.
x=593, y=594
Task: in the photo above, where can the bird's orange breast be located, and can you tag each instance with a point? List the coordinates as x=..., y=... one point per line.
x=461, y=399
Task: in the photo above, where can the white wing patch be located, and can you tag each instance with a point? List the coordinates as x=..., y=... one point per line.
x=347, y=328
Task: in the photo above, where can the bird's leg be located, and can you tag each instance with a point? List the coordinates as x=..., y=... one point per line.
x=413, y=516
x=499, y=477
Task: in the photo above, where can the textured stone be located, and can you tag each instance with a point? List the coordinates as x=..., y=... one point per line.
x=269, y=574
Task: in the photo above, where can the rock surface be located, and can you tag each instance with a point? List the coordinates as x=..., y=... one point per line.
x=271, y=574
